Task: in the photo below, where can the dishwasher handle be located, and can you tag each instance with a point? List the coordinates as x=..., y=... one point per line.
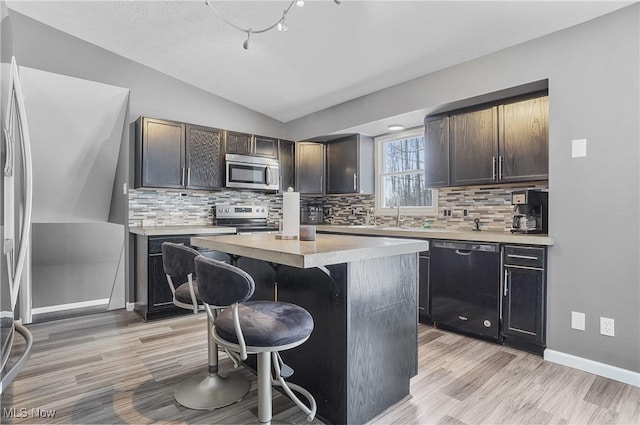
x=464, y=252
x=463, y=247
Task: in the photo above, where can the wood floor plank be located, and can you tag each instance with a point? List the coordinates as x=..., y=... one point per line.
x=475, y=378
x=112, y=368
x=448, y=420
x=605, y=393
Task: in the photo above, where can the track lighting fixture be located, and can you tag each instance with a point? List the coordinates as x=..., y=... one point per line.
x=245, y=45
x=280, y=24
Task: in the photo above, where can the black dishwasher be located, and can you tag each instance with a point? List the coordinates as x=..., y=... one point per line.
x=465, y=287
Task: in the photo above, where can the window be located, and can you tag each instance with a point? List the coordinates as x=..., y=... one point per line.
x=400, y=175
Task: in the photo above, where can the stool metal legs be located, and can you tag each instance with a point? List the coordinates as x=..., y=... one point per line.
x=212, y=390
x=264, y=387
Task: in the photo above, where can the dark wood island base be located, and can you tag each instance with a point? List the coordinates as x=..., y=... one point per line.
x=362, y=352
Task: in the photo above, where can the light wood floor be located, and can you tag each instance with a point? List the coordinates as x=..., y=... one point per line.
x=112, y=368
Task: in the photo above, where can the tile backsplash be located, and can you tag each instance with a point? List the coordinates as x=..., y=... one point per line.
x=492, y=205
x=164, y=207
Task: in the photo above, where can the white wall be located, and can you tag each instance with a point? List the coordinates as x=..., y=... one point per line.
x=593, y=72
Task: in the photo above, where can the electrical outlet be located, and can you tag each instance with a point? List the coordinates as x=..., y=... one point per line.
x=607, y=326
x=465, y=213
x=577, y=320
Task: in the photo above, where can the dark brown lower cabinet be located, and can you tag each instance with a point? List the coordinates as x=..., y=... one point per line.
x=153, y=297
x=524, y=296
x=152, y=293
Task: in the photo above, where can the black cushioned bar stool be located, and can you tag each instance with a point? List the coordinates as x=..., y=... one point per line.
x=212, y=389
x=255, y=327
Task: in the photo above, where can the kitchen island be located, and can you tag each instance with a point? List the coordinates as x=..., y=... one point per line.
x=362, y=294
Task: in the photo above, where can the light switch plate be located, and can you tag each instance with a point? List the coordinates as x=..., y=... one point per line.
x=579, y=148
x=577, y=321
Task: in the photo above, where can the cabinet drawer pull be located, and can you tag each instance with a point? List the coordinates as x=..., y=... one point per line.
x=522, y=257
x=513, y=266
x=355, y=184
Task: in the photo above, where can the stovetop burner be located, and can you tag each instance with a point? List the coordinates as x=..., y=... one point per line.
x=246, y=218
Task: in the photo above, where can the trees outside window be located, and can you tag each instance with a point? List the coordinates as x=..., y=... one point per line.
x=400, y=174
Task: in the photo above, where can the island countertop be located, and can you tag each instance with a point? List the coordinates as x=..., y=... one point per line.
x=327, y=249
x=203, y=229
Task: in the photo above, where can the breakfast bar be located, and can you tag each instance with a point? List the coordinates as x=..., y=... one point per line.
x=362, y=294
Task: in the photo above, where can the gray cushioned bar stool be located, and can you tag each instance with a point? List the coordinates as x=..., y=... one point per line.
x=255, y=327
x=212, y=389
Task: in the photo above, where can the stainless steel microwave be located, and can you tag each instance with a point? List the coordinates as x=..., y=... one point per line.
x=252, y=172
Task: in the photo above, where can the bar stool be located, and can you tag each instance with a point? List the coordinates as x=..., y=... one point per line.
x=212, y=389
x=255, y=327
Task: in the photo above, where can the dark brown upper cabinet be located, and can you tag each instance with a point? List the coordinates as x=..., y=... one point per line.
x=286, y=153
x=159, y=153
x=238, y=143
x=265, y=146
x=524, y=140
x=176, y=155
x=204, y=158
x=507, y=141
x=249, y=144
x=474, y=147
x=310, y=167
x=436, y=141
x=350, y=165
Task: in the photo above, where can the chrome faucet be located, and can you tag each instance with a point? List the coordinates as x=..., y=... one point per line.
x=396, y=197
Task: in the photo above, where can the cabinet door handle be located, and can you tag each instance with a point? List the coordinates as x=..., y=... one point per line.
x=181, y=176
x=355, y=181
x=500, y=166
x=506, y=282
x=493, y=169
x=188, y=176
x=321, y=184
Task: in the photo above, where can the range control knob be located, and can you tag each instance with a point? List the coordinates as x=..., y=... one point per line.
x=262, y=210
x=226, y=210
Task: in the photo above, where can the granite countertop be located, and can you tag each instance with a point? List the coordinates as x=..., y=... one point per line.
x=325, y=250
x=449, y=234
x=202, y=229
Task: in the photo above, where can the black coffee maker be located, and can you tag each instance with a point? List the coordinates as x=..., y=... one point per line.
x=530, y=211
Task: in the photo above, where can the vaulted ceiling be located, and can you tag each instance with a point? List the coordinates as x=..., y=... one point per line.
x=330, y=54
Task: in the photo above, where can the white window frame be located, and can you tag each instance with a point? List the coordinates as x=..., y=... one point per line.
x=379, y=198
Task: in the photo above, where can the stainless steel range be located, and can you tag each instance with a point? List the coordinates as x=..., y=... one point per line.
x=245, y=218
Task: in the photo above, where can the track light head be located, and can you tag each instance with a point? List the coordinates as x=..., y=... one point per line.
x=245, y=45
x=337, y=2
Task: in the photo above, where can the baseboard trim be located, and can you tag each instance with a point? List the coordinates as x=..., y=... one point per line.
x=70, y=306
x=597, y=368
